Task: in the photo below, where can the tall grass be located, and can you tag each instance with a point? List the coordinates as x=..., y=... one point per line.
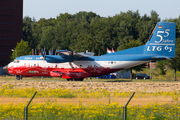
x=49, y=111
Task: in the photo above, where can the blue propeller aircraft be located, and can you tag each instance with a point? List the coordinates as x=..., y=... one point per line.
x=77, y=66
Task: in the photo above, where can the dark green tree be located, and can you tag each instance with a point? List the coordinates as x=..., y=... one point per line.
x=83, y=36
x=154, y=16
x=125, y=26
x=47, y=37
x=162, y=66
x=175, y=62
x=144, y=28
x=27, y=31
x=22, y=48
x=62, y=32
x=37, y=30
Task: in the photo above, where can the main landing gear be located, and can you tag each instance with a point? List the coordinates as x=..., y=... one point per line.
x=18, y=77
x=81, y=79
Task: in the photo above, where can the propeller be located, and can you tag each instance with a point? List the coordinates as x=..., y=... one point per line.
x=43, y=53
x=70, y=64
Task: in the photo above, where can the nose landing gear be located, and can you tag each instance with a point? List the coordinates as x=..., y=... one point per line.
x=18, y=77
x=81, y=79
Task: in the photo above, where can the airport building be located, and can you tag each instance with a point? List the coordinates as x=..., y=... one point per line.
x=11, y=16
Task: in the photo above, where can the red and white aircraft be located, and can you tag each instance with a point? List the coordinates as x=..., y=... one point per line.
x=77, y=66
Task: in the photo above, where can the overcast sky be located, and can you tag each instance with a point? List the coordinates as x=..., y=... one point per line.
x=52, y=8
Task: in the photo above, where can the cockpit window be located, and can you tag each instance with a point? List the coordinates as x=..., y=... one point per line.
x=16, y=61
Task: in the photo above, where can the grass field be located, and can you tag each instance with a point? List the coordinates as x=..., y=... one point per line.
x=83, y=104
x=96, y=100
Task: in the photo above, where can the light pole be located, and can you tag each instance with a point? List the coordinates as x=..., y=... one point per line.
x=15, y=53
x=150, y=69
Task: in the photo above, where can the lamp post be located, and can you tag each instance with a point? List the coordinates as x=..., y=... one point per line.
x=150, y=69
x=15, y=53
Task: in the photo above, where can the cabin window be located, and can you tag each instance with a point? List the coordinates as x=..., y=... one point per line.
x=16, y=61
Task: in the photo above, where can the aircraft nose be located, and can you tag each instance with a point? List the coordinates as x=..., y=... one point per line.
x=5, y=68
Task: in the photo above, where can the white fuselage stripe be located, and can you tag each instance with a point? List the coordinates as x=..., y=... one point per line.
x=78, y=64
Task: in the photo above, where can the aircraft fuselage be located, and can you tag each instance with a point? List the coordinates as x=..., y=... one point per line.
x=34, y=66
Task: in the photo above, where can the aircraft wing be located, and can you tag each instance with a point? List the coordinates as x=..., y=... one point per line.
x=66, y=54
x=86, y=53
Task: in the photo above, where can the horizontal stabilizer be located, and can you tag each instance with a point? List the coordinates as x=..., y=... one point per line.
x=161, y=58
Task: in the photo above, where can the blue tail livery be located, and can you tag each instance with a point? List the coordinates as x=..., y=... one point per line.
x=77, y=66
x=161, y=44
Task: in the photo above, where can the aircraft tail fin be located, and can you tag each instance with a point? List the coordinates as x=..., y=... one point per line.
x=162, y=41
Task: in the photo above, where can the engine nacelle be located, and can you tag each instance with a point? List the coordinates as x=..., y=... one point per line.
x=75, y=74
x=55, y=74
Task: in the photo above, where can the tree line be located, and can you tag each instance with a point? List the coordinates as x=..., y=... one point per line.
x=88, y=31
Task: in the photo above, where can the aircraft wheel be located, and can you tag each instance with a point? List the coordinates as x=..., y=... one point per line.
x=18, y=77
x=69, y=79
x=81, y=79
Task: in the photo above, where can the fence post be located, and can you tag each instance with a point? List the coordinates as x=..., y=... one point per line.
x=125, y=107
x=26, y=108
